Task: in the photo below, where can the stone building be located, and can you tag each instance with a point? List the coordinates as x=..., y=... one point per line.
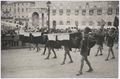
x=63, y=14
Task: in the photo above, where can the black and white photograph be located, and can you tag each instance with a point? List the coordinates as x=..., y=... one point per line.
x=60, y=39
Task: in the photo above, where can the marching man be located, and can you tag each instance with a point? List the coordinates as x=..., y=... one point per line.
x=85, y=51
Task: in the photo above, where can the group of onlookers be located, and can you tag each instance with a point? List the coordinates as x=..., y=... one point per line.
x=9, y=38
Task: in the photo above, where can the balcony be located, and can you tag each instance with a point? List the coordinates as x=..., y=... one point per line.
x=6, y=17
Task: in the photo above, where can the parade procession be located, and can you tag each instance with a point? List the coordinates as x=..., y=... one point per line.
x=57, y=39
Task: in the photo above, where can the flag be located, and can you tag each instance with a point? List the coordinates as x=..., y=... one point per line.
x=116, y=22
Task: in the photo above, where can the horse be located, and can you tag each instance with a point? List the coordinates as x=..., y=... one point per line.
x=33, y=40
x=73, y=42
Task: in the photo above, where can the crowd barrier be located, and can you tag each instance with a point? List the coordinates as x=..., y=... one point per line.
x=11, y=42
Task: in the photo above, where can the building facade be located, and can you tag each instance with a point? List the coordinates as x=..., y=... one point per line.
x=7, y=12
x=63, y=14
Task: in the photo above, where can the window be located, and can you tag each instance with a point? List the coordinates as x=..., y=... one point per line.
x=84, y=23
x=47, y=23
x=91, y=12
x=22, y=9
x=26, y=9
x=68, y=22
x=15, y=10
x=6, y=9
x=117, y=10
x=61, y=11
x=109, y=12
x=54, y=12
x=76, y=23
x=15, y=5
x=61, y=22
x=109, y=23
x=10, y=9
x=99, y=11
x=76, y=12
x=98, y=23
x=91, y=23
x=54, y=23
x=68, y=11
x=83, y=12
x=18, y=9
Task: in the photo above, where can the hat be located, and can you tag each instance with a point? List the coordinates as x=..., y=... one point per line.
x=87, y=30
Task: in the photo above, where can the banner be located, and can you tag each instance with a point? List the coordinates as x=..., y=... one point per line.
x=51, y=37
x=63, y=37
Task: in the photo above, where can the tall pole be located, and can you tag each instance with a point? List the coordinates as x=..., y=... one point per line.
x=48, y=18
x=48, y=5
x=42, y=19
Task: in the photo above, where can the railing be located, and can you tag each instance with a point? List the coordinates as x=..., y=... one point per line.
x=6, y=17
x=8, y=42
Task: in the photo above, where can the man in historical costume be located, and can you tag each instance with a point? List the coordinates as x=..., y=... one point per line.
x=110, y=38
x=85, y=51
x=100, y=40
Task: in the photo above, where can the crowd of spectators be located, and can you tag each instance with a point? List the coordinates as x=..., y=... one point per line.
x=13, y=37
x=9, y=38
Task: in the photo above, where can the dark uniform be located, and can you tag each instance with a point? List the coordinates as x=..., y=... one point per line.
x=110, y=40
x=86, y=45
x=85, y=50
x=100, y=39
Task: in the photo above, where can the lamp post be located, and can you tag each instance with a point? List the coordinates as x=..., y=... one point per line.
x=48, y=5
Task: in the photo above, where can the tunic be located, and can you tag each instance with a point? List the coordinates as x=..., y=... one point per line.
x=110, y=40
x=100, y=39
x=85, y=50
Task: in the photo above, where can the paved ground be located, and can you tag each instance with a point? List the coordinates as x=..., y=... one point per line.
x=25, y=63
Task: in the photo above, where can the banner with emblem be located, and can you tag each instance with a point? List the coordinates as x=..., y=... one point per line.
x=63, y=37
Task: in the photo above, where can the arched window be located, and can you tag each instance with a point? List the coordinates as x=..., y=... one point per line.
x=35, y=19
